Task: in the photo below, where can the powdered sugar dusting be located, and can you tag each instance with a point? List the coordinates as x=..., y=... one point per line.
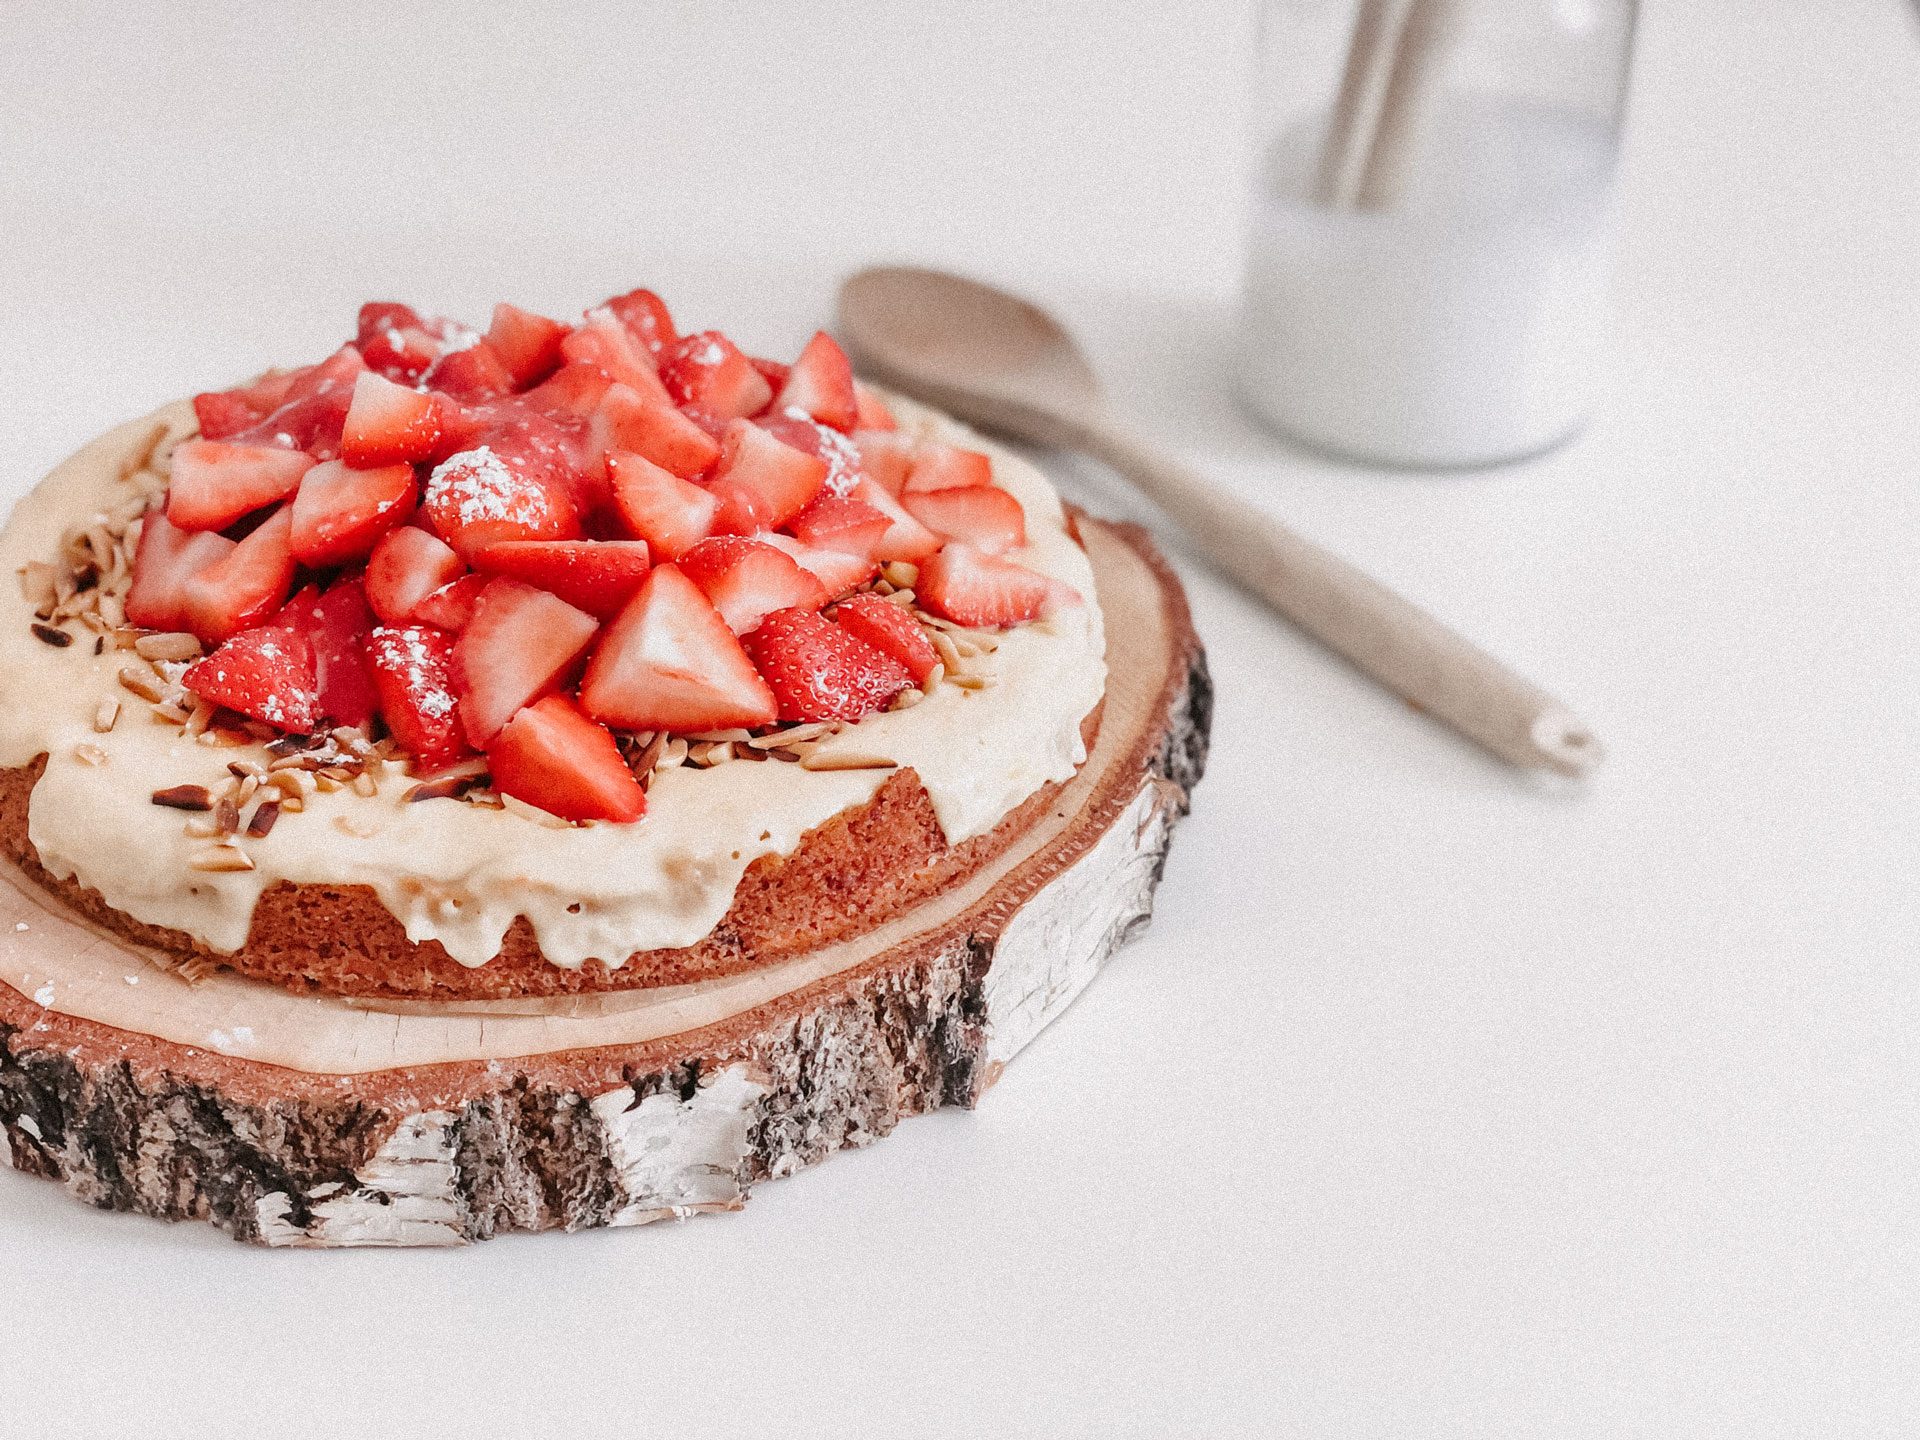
x=480, y=486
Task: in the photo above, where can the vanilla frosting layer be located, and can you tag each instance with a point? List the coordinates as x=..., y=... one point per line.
x=459, y=873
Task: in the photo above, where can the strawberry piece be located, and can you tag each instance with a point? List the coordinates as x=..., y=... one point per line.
x=571, y=390
x=984, y=516
x=669, y=513
x=405, y=568
x=556, y=759
x=784, y=478
x=394, y=340
x=773, y=372
x=841, y=455
x=746, y=579
x=742, y=511
x=387, y=423
x=480, y=496
x=890, y=630
x=669, y=662
x=314, y=410
x=265, y=673
x=645, y=314
x=837, y=571
x=871, y=410
x=886, y=457
x=339, y=514
x=215, y=482
x=840, y=522
x=821, y=383
x=336, y=624
x=820, y=672
x=946, y=467
x=962, y=585
x=708, y=370
x=518, y=644
x=604, y=342
x=711, y=421
x=165, y=560
x=597, y=576
x=413, y=671
x=451, y=606
x=474, y=373
x=269, y=391
x=222, y=413
x=627, y=420
x=527, y=344
x=244, y=586
x=906, y=538
x=551, y=449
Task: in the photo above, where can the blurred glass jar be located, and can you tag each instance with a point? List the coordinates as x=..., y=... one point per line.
x=1427, y=279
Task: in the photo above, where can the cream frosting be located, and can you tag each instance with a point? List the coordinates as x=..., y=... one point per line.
x=460, y=874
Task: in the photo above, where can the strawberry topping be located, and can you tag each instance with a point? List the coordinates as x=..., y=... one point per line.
x=746, y=579
x=555, y=758
x=890, y=630
x=266, y=673
x=413, y=670
x=518, y=644
x=819, y=671
x=669, y=662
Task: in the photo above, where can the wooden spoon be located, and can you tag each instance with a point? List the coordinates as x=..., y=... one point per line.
x=1001, y=363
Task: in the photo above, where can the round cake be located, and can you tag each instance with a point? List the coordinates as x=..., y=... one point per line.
x=555, y=659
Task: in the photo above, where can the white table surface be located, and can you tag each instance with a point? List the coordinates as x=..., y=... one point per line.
x=1435, y=1102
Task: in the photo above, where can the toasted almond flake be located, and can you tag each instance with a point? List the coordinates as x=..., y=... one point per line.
x=168, y=645
x=292, y=783
x=949, y=653
x=327, y=783
x=47, y=634
x=796, y=735
x=934, y=677
x=902, y=598
x=363, y=785
x=264, y=815
x=883, y=588
x=968, y=650
x=744, y=751
x=903, y=573
x=122, y=638
x=201, y=717
x=289, y=762
x=36, y=584
x=185, y=797
x=792, y=757
x=142, y=683
x=220, y=735
x=846, y=760
x=971, y=682
x=711, y=735
x=907, y=699
x=220, y=857
x=227, y=815
x=172, y=713
x=292, y=804
x=675, y=753
x=89, y=754
x=335, y=772
x=105, y=714
x=243, y=769
x=202, y=827
x=245, y=789
x=448, y=787
x=650, y=753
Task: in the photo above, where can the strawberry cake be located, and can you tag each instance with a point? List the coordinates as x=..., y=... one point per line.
x=550, y=658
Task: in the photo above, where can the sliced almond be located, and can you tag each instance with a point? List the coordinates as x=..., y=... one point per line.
x=142, y=683
x=90, y=755
x=846, y=760
x=184, y=797
x=168, y=645
x=105, y=714
x=220, y=857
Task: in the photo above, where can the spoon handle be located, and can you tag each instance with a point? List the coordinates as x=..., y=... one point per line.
x=1389, y=637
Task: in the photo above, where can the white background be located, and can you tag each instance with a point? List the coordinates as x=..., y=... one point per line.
x=1435, y=1102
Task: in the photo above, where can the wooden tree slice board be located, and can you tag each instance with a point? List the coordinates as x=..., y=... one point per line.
x=443, y=1124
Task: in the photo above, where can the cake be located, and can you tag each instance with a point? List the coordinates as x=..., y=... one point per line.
x=557, y=776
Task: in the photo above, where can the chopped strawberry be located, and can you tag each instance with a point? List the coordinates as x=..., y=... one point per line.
x=314, y=411
x=890, y=630
x=709, y=420
x=962, y=585
x=571, y=390
x=413, y=669
x=669, y=662
x=222, y=413
x=746, y=579
x=451, y=606
x=771, y=371
x=821, y=383
x=268, y=392
x=786, y=479
x=548, y=448
x=645, y=314
x=603, y=341
x=166, y=559
x=742, y=511
x=656, y=506
x=395, y=341
x=708, y=370
x=597, y=576
x=837, y=571
x=906, y=538
x=405, y=568
x=387, y=423
x=336, y=624
x=244, y=586
x=266, y=673
x=519, y=642
x=823, y=442
x=339, y=514
x=946, y=467
x=527, y=344
x=554, y=758
x=820, y=672
x=886, y=457
x=215, y=482
x=474, y=373
x=984, y=516
x=872, y=410
x=627, y=420
x=480, y=496
x=840, y=522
